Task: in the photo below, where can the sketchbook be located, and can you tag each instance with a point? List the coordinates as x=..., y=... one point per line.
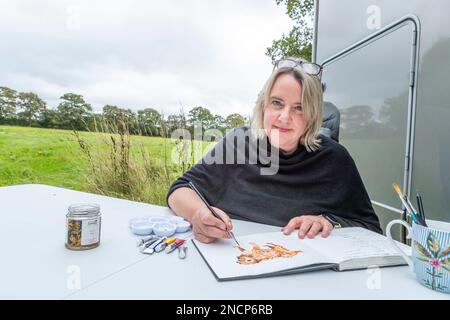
x=275, y=254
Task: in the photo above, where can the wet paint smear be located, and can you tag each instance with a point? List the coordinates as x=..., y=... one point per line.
x=259, y=254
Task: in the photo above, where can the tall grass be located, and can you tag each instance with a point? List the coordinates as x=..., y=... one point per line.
x=123, y=168
x=126, y=169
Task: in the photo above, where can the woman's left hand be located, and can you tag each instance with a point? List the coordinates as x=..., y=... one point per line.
x=309, y=226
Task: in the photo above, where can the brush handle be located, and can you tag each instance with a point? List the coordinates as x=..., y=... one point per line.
x=212, y=211
x=193, y=187
x=409, y=210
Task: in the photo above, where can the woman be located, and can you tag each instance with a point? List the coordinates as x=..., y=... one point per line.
x=316, y=186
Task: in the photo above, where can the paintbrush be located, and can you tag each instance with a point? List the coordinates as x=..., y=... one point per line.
x=407, y=204
x=215, y=214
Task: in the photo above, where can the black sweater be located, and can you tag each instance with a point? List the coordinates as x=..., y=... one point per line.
x=307, y=183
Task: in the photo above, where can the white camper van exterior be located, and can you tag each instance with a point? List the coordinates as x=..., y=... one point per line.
x=387, y=69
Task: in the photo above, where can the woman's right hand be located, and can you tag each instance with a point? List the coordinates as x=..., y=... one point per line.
x=207, y=228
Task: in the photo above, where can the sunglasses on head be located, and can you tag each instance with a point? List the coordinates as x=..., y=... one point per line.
x=313, y=69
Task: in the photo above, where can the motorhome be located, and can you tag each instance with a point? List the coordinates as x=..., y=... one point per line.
x=387, y=70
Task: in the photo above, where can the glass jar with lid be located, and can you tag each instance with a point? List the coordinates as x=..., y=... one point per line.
x=83, y=222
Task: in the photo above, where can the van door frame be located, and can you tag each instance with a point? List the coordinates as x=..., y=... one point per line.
x=413, y=86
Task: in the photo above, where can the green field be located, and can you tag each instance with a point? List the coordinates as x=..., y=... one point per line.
x=54, y=157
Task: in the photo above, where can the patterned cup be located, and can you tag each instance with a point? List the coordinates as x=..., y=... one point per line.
x=430, y=259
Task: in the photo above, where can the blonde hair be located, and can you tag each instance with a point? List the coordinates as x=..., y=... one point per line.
x=312, y=102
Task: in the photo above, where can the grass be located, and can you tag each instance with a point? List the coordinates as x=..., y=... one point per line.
x=54, y=157
x=30, y=155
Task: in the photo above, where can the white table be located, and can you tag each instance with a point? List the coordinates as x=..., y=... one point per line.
x=36, y=265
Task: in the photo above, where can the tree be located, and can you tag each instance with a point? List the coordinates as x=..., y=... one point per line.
x=149, y=121
x=73, y=112
x=32, y=108
x=8, y=104
x=219, y=123
x=113, y=115
x=49, y=119
x=235, y=120
x=120, y=118
x=299, y=41
x=97, y=123
x=175, y=121
x=202, y=116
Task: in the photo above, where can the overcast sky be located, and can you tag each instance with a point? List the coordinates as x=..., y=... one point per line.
x=138, y=54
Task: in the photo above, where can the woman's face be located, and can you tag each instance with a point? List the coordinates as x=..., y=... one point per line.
x=284, y=122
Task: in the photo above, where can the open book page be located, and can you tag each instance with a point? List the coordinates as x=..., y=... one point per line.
x=227, y=261
x=354, y=243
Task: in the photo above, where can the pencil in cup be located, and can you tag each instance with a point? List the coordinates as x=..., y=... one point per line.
x=421, y=209
x=409, y=208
